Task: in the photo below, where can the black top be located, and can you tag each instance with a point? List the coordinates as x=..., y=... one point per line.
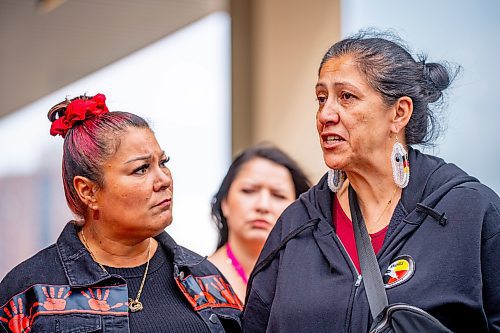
x=165, y=308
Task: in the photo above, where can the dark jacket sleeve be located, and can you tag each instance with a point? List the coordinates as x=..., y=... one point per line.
x=261, y=287
x=256, y=313
x=490, y=255
x=5, y=291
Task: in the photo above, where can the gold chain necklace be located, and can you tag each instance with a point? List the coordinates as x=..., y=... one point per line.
x=133, y=304
x=386, y=206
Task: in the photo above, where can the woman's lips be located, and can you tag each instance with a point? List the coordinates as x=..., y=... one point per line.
x=330, y=141
x=164, y=204
x=260, y=224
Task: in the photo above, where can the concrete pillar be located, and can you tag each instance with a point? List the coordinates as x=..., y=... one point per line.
x=275, y=73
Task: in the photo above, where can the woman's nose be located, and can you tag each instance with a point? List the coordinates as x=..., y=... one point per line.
x=329, y=114
x=163, y=179
x=263, y=202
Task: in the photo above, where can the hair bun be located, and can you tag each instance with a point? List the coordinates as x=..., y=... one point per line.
x=437, y=78
x=66, y=114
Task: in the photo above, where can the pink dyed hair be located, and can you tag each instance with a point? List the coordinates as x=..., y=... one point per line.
x=88, y=145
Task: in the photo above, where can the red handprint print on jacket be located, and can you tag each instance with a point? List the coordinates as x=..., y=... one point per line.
x=18, y=321
x=208, y=291
x=19, y=314
x=98, y=301
x=53, y=301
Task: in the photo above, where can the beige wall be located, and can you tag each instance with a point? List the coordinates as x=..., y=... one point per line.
x=276, y=53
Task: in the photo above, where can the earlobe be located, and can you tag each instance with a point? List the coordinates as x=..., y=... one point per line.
x=86, y=189
x=404, y=110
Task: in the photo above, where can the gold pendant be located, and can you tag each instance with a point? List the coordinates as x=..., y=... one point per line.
x=134, y=305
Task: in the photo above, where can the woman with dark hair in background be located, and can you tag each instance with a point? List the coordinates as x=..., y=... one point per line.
x=260, y=183
x=115, y=269
x=434, y=229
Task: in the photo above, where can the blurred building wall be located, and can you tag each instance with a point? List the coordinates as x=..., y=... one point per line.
x=277, y=48
x=33, y=212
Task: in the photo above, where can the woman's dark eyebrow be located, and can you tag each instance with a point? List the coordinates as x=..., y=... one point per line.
x=146, y=157
x=320, y=85
x=337, y=84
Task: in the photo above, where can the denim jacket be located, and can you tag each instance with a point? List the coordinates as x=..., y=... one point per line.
x=62, y=289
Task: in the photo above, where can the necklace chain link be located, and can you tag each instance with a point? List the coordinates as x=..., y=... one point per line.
x=133, y=304
x=386, y=206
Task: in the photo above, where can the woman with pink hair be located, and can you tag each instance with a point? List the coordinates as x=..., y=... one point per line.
x=114, y=268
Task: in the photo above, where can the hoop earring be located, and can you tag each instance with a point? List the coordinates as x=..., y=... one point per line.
x=335, y=179
x=400, y=165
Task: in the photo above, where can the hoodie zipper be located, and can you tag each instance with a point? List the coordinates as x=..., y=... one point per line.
x=357, y=281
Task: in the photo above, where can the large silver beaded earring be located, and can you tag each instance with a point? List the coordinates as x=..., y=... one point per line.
x=400, y=165
x=335, y=179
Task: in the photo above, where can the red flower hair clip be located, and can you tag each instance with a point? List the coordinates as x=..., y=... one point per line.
x=78, y=110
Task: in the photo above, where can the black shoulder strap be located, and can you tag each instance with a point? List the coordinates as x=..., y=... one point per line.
x=372, y=278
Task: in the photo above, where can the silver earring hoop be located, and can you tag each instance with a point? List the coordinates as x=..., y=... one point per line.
x=335, y=179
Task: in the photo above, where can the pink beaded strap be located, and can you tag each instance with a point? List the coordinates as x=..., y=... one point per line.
x=236, y=264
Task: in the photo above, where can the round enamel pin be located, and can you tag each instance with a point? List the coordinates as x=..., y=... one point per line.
x=399, y=271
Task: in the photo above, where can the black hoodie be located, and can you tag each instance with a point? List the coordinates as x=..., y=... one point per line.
x=441, y=253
